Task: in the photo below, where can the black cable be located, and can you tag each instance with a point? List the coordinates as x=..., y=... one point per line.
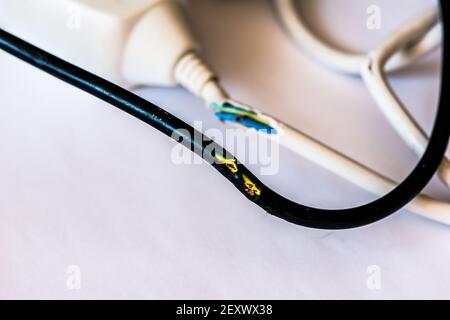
x=235, y=172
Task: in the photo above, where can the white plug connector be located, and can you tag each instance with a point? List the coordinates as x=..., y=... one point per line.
x=161, y=50
x=133, y=42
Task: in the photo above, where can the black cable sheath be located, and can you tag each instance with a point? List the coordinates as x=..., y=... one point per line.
x=264, y=197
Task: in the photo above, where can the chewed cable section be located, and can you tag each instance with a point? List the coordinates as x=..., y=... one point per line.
x=234, y=112
x=239, y=176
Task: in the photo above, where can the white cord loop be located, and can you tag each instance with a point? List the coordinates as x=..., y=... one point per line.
x=417, y=38
x=344, y=62
x=389, y=103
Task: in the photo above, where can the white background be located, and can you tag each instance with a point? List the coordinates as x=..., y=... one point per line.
x=84, y=184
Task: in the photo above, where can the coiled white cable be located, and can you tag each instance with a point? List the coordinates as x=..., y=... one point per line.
x=389, y=103
x=334, y=58
x=423, y=32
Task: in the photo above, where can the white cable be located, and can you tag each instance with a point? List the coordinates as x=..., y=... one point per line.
x=401, y=54
x=389, y=103
x=334, y=58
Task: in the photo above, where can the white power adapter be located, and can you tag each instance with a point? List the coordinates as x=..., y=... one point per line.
x=133, y=42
